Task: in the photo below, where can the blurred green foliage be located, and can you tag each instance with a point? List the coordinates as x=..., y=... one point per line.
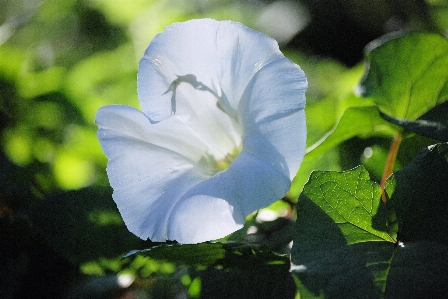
x=60, y=232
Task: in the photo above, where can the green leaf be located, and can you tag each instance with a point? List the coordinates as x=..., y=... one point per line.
x=351, y=201
x=407, y=74
x=212, y=253
x=332, y=261
x=418, y=195
x=405, y=87
x=432, y=124
x=337, y=209
x=376, y=270
x=356, y=121
x=233, y=269
x=423, y=127
x=203, y=254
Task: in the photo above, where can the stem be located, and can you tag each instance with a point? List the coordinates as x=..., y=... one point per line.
x=291, y=205
x=390, y=162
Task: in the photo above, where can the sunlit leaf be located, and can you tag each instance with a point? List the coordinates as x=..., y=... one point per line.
x=407, y=74
x=11, y=62
x=211, y=253
x=190, y=254
x=405, y=87
x=350, y=199
x=34, y=84
x=337, y=209
x=105, y=77
x=327, y=161
x=356, y=121
x=71, y=171
x=18, y=146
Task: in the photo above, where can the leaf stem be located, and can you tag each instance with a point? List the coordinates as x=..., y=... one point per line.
x=390, y=162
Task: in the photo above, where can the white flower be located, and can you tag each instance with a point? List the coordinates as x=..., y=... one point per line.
x=213, y=93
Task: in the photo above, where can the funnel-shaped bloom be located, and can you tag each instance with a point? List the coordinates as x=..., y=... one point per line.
x=214, y=94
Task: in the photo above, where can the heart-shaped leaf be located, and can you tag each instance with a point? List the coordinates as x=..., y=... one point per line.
x=407, y=75
x=332, y=255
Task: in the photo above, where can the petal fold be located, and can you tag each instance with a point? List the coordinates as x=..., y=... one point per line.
x=218, y=206
x=148, y=173
x=272, y=116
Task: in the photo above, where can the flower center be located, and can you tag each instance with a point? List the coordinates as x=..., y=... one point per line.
x=211, y=166
x=223, y=163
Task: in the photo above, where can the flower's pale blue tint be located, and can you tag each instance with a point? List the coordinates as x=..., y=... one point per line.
x=212, y=93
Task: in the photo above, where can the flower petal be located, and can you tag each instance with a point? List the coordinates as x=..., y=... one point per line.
x=215, y=57
x=185, y=52
x=154, y=187
x=242, y=53
x=273, y=118
x=124, y=126
x=218, y=206
x=178, y=75
x=146, y=206
x=148, y=173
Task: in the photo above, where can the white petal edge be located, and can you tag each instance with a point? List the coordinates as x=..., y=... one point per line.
x=218, y=206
